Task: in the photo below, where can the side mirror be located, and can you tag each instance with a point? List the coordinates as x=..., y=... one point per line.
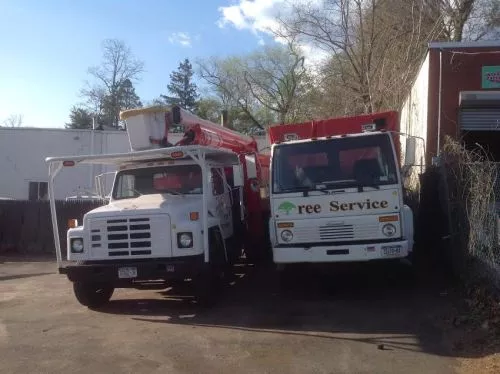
x=238, y=176
x=410, y=153
x=264, y=192
x=251, y=166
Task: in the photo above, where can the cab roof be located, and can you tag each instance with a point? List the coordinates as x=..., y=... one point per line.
x=211, y=154
x=360, y=134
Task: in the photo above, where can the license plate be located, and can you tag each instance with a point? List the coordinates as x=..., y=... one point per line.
x=170, y=268
x=391, y=251
x=130, y=272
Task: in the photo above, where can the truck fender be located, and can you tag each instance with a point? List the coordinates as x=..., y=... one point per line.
x=408, y=229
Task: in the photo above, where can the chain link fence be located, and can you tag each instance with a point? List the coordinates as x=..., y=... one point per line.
x=471, y=190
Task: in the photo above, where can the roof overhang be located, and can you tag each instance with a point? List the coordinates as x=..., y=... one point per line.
x=465, y=44
x=479, y=99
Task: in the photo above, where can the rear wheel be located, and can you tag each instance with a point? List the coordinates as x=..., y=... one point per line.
x=285, y=277
x=93, y=295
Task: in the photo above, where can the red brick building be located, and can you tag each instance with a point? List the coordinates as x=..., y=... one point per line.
x=456, y=93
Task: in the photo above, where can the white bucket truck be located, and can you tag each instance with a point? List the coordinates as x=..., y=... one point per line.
x=172, y=215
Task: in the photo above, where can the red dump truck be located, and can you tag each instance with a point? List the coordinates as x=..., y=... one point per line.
x=336, y=191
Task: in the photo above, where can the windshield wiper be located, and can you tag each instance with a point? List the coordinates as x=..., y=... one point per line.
x=172, y=192
x=305, y=190
x=134, y=191
x=361, y=186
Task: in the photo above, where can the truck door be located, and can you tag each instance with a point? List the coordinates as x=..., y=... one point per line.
x=222, y=201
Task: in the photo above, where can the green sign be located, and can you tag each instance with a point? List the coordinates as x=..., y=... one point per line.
x=490, y=77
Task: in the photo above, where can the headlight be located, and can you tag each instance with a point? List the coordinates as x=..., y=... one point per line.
x=286, y=235
x=77, y=245
x=389, y=229
x=184, y=240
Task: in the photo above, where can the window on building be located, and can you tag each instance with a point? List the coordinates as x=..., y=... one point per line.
x=38, y=191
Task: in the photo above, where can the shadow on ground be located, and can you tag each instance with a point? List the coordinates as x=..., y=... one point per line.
x=372, y=304
x=21, y=276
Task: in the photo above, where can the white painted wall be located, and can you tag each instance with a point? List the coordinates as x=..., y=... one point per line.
x=23, y=151
x=413, y=118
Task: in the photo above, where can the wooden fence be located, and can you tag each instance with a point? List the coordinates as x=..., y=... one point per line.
x=26, y=226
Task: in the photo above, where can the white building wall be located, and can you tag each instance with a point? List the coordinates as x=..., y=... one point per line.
x=413, y=120
x=23, y=152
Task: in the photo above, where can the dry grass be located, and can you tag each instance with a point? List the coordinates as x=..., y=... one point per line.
x=471, y=177
x=471, y=181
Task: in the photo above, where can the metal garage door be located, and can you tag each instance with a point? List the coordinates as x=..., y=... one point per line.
x=480, y=119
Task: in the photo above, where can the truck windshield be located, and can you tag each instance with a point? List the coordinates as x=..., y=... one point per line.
x=334, y=163
x=177, y=180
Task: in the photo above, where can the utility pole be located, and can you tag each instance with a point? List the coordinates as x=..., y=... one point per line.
x=91, y=153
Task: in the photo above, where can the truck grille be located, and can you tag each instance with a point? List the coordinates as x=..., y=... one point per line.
x=123, y=237
x=336, y=232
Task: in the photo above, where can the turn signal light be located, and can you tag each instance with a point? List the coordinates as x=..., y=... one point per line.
x=194, y=216
x=72, y=223
x=285, y=225
x=388, y=218
x=68, y=163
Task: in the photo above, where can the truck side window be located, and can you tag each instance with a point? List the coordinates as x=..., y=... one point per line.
x=126, y=186
x=217, y=182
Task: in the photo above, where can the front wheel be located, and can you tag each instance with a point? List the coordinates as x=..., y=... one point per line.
x=207, y=287
x=93, y=295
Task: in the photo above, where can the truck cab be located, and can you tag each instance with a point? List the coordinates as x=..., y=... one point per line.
x=338, y=199
x=172, y=215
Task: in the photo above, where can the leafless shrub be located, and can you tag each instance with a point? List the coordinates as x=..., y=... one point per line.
x=471, y=184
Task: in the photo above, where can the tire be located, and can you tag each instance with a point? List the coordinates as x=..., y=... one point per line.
x=285, y=278
x=93, y=295
x=257, y=253
x=208, y=284
x=206, y=288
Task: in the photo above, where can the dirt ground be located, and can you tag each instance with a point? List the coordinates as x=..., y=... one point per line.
x=342, y=323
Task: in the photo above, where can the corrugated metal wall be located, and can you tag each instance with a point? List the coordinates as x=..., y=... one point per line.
x=480, y=119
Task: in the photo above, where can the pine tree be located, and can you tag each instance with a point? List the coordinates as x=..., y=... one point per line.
x=183, y=91
x=80, y=118
x=127, y=96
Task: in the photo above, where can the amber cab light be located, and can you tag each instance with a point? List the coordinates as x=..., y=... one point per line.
x=72, y=223
x=285, y=225
x=177, y=154
x=388, y=218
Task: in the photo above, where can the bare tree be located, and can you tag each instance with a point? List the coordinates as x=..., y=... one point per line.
x=465, y=19
x=226, y=77
x=274, y=76
x=14, y=120
x=338, y=27
x=375, y=46
x=263, y=85
x=118, y=66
